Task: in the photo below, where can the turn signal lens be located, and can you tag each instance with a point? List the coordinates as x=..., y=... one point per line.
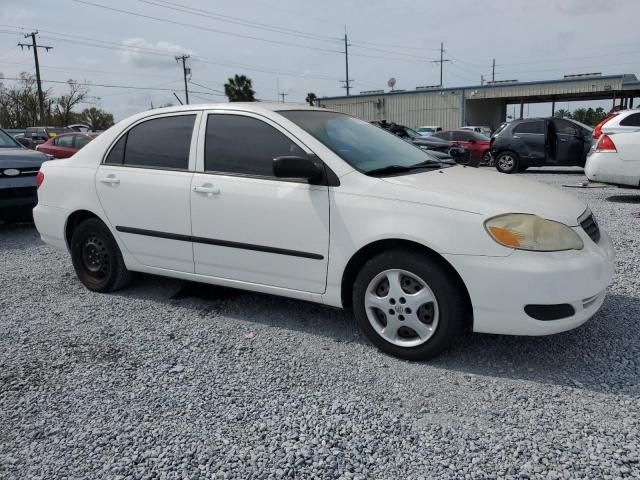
x=530, y=232
x=39, y=179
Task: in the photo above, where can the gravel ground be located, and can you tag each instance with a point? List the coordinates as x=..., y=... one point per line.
x=172, y=381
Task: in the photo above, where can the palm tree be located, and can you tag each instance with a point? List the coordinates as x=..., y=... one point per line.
x=238, y=89
x=311, y=98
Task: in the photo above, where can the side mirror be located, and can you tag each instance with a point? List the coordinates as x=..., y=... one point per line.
x=297, y=167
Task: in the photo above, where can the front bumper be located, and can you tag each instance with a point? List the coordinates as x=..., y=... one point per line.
x=501, y=287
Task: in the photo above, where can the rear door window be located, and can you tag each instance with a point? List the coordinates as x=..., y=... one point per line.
x=536, y=127
x=461, y=136
x=565, y=128
x=161, y=143
x=65, y=141
x=443, y=135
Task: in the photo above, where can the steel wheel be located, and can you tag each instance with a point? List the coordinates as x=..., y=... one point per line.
x=95, y=257
x=487, y=159
x=401, y=308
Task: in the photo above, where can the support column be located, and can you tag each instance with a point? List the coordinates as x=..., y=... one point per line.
x=553, y=108
x=631, y=102
x=521, y=108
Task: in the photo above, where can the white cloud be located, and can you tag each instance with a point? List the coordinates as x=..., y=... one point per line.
x=146, y=54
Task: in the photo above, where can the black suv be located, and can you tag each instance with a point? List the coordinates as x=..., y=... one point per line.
x=540, y=142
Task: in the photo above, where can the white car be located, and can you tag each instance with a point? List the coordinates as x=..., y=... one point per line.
x=317, y=205
x=483, y=130
x=428, y=130
x=617, y=122
x=615, y=159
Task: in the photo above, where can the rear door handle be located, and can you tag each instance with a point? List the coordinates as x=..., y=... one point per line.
x=110, y=180
x=207, y=188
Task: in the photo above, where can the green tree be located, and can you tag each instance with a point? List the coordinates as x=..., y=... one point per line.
x=562, y=113
x=311, y=98
x=239, y=89
x=97, y=118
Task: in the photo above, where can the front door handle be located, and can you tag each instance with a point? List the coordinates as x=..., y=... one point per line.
x=110, y=180
x=206, y=188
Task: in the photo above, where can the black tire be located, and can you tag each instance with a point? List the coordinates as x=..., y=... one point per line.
x=487, y=159
x=507, y=162
x=450, y=303
x=96, y=257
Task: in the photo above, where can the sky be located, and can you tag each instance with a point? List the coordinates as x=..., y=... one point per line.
x=296, y=46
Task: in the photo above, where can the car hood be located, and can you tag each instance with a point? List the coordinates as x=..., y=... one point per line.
x=20, y=158
x=491, y=193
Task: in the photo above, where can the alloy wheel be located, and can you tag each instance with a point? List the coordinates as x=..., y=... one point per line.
x=401, y=308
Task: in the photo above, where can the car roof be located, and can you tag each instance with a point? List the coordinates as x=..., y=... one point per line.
x=256, y=107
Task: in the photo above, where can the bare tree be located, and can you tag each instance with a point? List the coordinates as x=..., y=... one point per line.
x=63, y=110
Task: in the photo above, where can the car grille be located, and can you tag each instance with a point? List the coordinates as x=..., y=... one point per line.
x=24, y=172
x=590, y=226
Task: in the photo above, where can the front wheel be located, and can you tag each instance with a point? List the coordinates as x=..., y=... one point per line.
x=507, y=162
x=96, y=257
x=408, y=305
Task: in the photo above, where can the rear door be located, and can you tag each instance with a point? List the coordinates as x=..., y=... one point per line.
x=570, y=143
x=144, y=187
x=528, y=141
x=248, y=225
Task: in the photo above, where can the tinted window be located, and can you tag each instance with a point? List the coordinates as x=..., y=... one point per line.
x=632, y=120
x=65, y=141
x=81, y=141
x=160, y=143
x=461, y=136
x=237, y=144
x=565, y=128
x=6, y=141
x=116, y=155
x=529, y=127
x=443, y=135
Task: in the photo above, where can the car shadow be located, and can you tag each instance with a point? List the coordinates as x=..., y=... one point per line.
x=583, y=358
x=630, y=198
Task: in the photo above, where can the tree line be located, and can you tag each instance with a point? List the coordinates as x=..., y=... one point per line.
x=19, y=106
x=19, y=103
x=588, y=116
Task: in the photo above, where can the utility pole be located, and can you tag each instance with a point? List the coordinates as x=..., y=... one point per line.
x=283, y=95
x=35, y=47
x=493, y=71
x=481, y=80
x=185, y=71
x=441, y=61
x=347, y=82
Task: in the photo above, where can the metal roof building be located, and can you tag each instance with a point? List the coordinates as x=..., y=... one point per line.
x=481, y=104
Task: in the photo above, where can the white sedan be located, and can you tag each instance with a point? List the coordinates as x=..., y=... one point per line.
x=317, y=205
x=615, y=159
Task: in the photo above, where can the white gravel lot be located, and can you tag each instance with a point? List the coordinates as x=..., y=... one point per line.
x=164, y=380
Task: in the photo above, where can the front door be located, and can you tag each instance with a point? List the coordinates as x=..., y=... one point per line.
x=248, y=225
x=529, y=141
x=570, y=143
x=144, y=188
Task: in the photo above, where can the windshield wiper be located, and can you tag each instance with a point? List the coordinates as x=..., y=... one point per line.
x=391, y=169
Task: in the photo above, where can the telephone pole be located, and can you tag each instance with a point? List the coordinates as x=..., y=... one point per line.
x=35, y=47
x=283, y=95
x=441, y=61
x=493, y=71
x=481, y=80
x=185, y=71
x=347, y=82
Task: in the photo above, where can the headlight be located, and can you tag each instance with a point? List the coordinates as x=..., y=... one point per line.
x=530, y=232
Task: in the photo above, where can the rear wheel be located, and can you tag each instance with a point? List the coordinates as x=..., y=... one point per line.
x=408, y=305
x=96, y=257
x=507, y=162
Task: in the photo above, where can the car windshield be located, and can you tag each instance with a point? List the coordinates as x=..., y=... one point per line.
x=6, y=141
x=363, y=146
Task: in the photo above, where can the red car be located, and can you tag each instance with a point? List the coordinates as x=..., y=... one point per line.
x=477, y=143
x=65, y=145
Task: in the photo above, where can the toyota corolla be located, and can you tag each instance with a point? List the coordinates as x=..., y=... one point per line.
x=320, y=206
